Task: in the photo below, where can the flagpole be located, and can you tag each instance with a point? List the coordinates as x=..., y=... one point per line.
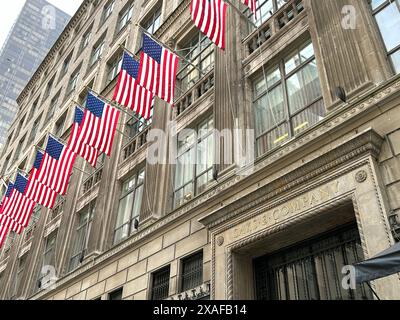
x=168, y=47
x=241, y=13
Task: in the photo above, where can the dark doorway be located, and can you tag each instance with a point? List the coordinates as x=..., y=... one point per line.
x=311, y=270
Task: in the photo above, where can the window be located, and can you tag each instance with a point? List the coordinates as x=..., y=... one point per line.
x=19, y=275
x=192, y=272
x=124, y=17
x=8, y=142
x=160, y=284
x=108, y=9
x=152, y=23
x=34, y=108
x=5, y=165
x=19, y=148
x=97, y=52
x=194, y=165
x=48, y=88
x=65, y=65
x=73, y=81
x=200, y=53
x=115, y=295
x=82, y=234
x=86, y=39
x=59, y=126
x=265, y=9
x=135, y=125
x=52, y=108
x=113, y=68
x=129, y=206
x=387, y=15
x=20, y=126
x=48, y=257
x=34, y=129
x=287, y=100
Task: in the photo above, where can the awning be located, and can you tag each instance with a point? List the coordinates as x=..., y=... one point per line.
x=380, y=266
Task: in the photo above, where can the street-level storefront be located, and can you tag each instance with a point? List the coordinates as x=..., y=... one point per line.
x=282, y=243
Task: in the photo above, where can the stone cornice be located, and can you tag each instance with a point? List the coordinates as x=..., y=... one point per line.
x=170, y=20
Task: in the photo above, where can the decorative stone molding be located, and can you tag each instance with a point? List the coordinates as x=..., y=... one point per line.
x=220, y=241
x=361, y=176
x=193, y=294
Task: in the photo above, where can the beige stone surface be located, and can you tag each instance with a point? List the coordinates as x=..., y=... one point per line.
x=128, y=260
x=195, y=241
x=136, y=285
x=161, y=258
x=108, y=271
x=137, y=270
x=150, y=248
x=176, y=234
x=96, y=291
x=89, y=281
x=116, y=280
x=73, y=290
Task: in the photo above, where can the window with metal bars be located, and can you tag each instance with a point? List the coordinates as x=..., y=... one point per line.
x=192, y=271
x=311, y=270
x=160, y=284
x=115, y=295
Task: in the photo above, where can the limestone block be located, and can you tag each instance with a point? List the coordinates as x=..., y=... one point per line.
x=96, y=291
x=390, y=170
x=150, y=248
x=128, y=260
x=108, y=271
x=73, y=290
x=195, y=241
x=136, y=286
x=177, y=234
x=89, y=281
x=116, y=281
x=137, y=270
x=161, y=258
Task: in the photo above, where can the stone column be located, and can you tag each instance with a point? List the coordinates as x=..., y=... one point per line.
x=352, y=57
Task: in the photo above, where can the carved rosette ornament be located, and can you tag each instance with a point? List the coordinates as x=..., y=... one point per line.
x=361, y=176
x=220, y=241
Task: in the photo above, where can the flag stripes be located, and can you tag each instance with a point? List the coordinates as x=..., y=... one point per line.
x=210, y=17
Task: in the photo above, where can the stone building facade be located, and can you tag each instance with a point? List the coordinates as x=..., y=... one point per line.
x=323, y=191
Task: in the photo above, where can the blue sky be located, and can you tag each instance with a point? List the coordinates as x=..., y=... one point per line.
x=12, y=8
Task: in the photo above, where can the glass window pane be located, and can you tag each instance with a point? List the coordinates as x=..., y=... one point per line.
x=309, y=117
x=395, y=57
x=273, y=139
x=388, y=21
x=376, y=3
x=269, y=110
x=303, y=87
x=124, y=210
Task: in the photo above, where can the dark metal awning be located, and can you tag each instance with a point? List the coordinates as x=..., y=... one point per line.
x=382, y=265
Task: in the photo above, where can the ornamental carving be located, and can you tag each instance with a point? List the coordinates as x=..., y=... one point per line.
x=361, y=176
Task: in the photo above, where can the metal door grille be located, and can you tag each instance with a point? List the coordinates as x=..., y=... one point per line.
x=311, y=270
x=160, y=288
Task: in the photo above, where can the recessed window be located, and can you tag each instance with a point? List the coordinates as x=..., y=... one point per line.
x=200, y=52
x=114, y=67
x=387, y=15
x=287, y=99
x=124, y=17
x=152, y=23
x=108, y=9
x=86, y=39
x=73, y=81
x=265, y=9
x=130, y=204
x=97, y=52
x=81, y=238
x=192, y=271
x=160, y=284
x=194, y=164
x=115, y=295
x=48, y=258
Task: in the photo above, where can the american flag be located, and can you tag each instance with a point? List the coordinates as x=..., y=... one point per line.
x=210, y=17
x=36, y=190
x=6, y=224
x=252, y=4
x=129, y=92
x=158, y=67
x=19, y=208
x=56, y=167
x=87, y=152
x=4, y=218
x=99, y=124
